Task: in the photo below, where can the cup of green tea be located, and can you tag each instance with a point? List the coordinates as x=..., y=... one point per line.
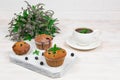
x=85, y=36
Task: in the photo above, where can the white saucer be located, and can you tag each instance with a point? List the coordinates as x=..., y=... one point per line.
x=88, y=47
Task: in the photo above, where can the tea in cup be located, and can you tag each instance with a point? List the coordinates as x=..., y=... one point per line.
x=85, y=36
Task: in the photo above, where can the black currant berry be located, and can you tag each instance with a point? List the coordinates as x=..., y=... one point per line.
x=43, y=54
x=41, y=63
x=36, y=58
x=26, y=58
x=21, y=45
x=72, y=54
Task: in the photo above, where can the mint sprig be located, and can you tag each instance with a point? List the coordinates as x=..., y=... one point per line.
x=54, y=49
x=84, y=31
x=36, y=52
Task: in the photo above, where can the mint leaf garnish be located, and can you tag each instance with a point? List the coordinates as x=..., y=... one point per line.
x=36, y=52
x=54, y=49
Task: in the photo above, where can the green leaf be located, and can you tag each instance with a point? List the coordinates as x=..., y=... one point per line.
x=51, y=22
x=33, y=7
x=33, y=18
x=54, y=49
x=53, y=30
x=36, y=52
x=84, y=31
x=25, y=14
x=28, y=37
x=15, y=29
x=19, y=17
x=46, y=17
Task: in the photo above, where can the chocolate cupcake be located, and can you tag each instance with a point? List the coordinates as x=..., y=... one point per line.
x=43, y=41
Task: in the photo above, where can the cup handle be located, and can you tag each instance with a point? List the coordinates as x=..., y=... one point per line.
x=97, y=34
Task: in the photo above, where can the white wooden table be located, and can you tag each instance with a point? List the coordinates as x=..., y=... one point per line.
x=102, y=63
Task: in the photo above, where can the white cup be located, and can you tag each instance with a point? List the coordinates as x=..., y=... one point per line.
x=84, y=39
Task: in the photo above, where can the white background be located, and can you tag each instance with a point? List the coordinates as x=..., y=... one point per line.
x=102, y=63
x=68, y=9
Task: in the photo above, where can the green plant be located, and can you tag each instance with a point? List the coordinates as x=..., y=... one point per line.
x=54, y=49
x=32, y=21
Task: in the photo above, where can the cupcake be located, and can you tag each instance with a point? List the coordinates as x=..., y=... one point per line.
x=43, y=41
x=21, y=48
x=55, y=56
